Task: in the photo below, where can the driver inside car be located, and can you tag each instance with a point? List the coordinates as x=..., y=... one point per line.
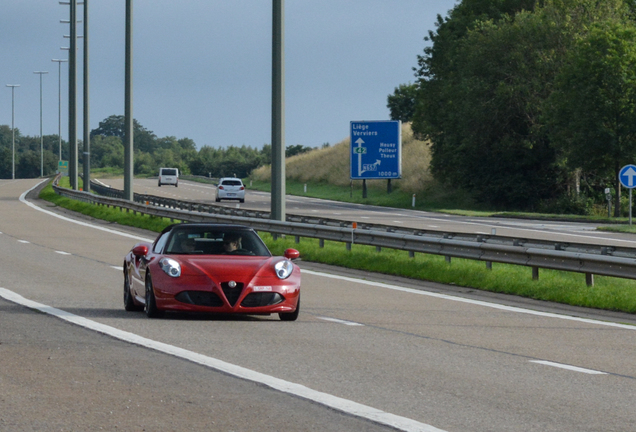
x=231, y=243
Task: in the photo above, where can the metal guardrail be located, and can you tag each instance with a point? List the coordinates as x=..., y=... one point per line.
x=574, y=257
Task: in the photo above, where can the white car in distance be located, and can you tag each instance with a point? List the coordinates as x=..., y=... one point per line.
x=168, y=176
x=230, y=188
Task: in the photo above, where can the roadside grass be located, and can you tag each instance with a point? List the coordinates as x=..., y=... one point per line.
x=450, y=203
x=619, y=228
x=556, y=286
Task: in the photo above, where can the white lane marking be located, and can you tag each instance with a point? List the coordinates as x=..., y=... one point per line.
x=569, y=367
x=398, y=222
x=116, y=268
x=334, y=402
x=62, y=253
x=111, y=231
x=23, y=241
x=469, y=301
x=339, y=321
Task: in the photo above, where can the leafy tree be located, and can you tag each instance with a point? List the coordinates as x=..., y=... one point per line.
x=143, y=139
x=482, y=89
x=107, y=151
x=294, y=150
x=593, y=108
x=401, y=103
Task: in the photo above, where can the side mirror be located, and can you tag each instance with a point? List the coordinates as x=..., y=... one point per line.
x=140, y=250
x=291, y=254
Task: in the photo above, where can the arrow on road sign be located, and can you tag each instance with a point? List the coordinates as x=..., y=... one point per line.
x=360, y=150
x=630, y=174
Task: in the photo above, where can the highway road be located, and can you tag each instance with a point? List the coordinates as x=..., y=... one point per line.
x=529, y=229
x=367, y=353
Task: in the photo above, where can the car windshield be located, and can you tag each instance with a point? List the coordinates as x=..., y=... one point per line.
x=232, y=183
x=199, y=240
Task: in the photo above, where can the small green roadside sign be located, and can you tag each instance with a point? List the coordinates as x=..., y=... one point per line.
x=62, y=166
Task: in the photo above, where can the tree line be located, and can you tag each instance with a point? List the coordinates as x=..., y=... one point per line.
x=528, y=104
x=150, y=153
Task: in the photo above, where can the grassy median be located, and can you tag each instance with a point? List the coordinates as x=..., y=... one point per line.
x=555, y=286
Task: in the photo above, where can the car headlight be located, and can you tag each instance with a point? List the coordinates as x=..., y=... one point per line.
x=283, y=269
x=171, y=267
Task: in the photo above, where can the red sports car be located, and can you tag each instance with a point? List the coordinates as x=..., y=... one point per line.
x=211, y=268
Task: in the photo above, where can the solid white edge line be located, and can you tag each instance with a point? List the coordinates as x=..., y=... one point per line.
x=569, y=367
x=63, y=253
x=469, y=301
x=334, y=402
x=123, y=234
x=339, y=321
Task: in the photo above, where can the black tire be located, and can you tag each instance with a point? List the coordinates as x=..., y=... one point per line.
x=151, y=304
x=242, y=200
x=176, y=184
x=159, y=184
x=129, y=303
x=291, y=316
x=218, y=200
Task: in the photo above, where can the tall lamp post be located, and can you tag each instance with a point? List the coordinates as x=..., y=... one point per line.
x=278, y=111
x=59, y=103
x=41, y=137
x=13, y=86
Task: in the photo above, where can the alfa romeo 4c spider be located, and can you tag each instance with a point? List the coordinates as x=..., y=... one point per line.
x=211, y=268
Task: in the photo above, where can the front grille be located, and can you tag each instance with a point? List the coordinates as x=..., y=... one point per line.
x=262, y=299
x=199, y=298
x=232, y=294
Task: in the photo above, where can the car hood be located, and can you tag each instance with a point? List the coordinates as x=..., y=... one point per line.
x=221, y=268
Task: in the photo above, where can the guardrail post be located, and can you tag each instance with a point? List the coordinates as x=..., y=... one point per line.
x=488, y=265
x=448, y=259
x=297, y=239
x=411, y=254
x=589, y=279
x=321, y=243
x=378, y=248
x=535, y=273
x=348, y=246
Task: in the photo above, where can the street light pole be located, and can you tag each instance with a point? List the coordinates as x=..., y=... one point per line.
x=13, y=86
x=72, y=98
x=59, y=103
x=128, y=107
x=278, y=111
x=41, y=137
x=87, y=138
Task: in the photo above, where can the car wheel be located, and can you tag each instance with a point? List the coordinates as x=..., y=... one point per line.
x=159, y=184
x=129, y=303
x=242, y=200
x=291, y=316
x=151, y=304
x=218, y=200
x=176, y=185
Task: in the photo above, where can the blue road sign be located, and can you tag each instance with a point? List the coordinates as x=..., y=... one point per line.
x=376, y=150
x=627, y=176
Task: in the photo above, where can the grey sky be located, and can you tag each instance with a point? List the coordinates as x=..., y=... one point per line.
x=202, y=68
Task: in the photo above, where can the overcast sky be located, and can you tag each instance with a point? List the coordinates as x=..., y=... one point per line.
x=202, y=68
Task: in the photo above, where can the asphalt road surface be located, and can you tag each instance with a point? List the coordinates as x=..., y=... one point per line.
x=367, y=353
x=557, y=231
